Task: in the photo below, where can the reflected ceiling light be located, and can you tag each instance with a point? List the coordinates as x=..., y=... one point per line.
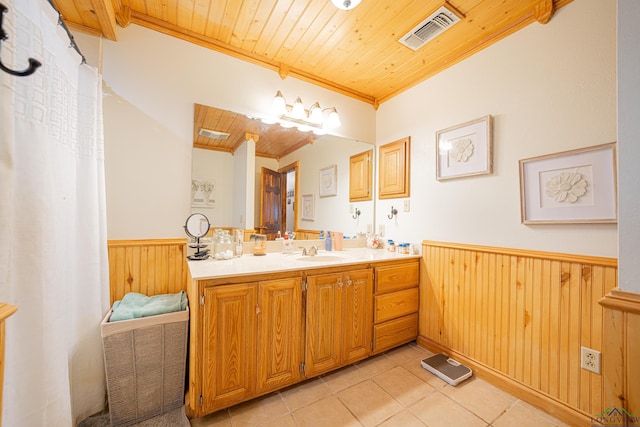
x=296, y=115
x=345, y=4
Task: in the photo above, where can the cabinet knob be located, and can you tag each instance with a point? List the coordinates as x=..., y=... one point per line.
x=339, y=283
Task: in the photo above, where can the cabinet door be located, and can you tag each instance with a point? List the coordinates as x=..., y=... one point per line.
x=357, y=317
x=323, y=323
x=279, y=332
x=360, y=177
x=229, y=344
x=394, y=169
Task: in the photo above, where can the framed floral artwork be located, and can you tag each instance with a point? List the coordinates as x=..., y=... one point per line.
x=203, y=193
x=465, y=149
x=308, y=207
x=577, y=186
x=328, y=183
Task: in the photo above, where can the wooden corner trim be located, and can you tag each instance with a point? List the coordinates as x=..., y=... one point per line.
x=624, y=301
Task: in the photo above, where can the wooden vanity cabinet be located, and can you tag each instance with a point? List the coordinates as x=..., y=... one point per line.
x=395, y=318
x=338, y=319
x=279, y=333
x=255, y=334
x=229, y=345
x=251, y=340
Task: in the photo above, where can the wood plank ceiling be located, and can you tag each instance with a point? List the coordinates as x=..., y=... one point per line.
x=355, y=52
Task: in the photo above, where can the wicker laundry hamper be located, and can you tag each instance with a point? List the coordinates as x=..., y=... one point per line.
x=145, y=362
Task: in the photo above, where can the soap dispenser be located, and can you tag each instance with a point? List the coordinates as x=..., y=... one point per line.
x=327, y=241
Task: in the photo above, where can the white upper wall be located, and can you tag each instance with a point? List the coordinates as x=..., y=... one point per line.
x=154, y=80
x=550, y=88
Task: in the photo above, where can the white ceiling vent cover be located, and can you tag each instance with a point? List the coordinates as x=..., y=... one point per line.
x=214, y=134
x=434, y=25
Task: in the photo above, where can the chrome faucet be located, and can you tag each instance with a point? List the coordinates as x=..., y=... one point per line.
x=312, y=251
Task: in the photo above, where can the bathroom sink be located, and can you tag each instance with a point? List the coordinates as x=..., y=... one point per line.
x=321, y=258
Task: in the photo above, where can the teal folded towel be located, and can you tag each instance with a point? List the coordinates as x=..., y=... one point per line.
x=134, y=305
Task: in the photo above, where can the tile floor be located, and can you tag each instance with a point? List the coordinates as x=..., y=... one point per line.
x=391, y=389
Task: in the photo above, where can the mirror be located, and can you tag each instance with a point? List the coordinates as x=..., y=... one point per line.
x=196, y=227
x=231, y=153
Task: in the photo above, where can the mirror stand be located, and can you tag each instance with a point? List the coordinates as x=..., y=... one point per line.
x=197, y=226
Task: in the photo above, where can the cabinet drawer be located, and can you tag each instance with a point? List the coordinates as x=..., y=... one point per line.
x=395, y=304
x=396, y=277
x=395, y=332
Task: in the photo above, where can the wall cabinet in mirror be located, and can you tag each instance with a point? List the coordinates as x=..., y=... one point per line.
x=394, y=160
x=360, y=177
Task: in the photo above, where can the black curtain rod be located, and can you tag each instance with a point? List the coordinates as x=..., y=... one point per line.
x=71, y=39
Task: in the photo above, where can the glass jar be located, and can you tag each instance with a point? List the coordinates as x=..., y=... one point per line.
x=222, y=245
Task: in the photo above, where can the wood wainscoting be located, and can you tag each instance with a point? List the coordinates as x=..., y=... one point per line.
x=518, y=318
x=622, y=340
x=149, y=267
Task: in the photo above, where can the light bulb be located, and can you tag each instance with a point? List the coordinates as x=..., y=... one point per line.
x=333, y=121
x=297, y=111
x=315, y=113
x=279, y=104
x=345, y=4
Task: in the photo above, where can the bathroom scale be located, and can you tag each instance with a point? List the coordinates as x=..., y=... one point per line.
x=446, y=368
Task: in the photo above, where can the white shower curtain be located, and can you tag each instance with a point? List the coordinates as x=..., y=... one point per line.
x=53, y=259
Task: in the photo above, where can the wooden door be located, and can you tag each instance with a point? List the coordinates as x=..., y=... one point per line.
x=323, y=323
x=357, y=324
x=271, y=202
x=360, y=177
x=394, y=161
x=279, y=333
x=229, y=345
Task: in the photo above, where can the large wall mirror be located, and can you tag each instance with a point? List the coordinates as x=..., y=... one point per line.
x=264, y=177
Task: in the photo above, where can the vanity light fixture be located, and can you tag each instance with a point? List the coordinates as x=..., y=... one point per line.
x=305, y=120
x=345, y=4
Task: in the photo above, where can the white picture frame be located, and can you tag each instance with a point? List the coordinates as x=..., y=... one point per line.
x=328, y=181
x=203, y=193
x=307, y=212
x=465, y=150
x=570, y=187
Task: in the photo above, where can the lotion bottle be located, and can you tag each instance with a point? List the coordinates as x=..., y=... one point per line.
x=327, y=241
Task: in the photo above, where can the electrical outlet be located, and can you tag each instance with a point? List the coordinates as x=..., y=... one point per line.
x=406, y=206
x=590, y=359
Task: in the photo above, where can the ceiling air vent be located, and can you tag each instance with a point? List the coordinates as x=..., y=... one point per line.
x=434, y=25
x=214, y=134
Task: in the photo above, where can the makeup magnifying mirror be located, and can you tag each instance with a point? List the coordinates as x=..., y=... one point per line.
x=196, y=227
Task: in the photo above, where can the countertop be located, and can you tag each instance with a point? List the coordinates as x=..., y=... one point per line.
x=274, y=262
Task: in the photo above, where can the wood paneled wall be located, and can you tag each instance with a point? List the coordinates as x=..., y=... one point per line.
x=520, y=317
x=621, y=367
x=149, y=267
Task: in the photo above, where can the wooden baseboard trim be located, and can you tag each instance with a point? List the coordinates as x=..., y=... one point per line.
x=536, y=398
x=627, y=302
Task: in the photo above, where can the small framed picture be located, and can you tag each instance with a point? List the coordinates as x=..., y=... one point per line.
x=328, y=185
x=577, y=186
x=308, y=207
x=465, y=150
